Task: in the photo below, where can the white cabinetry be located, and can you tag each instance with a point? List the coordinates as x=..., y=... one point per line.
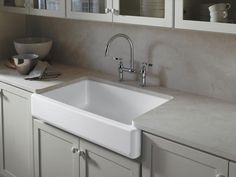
x=16, y=152
x=86, y=10
x=60, y=154
x=55, y=152
x=232, y=169
x=52, y=8
x=141, y=12
x=195, y=15
x=144, y=12
x=162, y=158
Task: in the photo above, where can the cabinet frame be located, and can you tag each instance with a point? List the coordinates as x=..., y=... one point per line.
x=180, y=23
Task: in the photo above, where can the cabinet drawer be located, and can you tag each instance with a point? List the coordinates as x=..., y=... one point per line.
x=163, y=158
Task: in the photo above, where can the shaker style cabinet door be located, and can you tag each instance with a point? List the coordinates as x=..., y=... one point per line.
x=232, y=169
x=55, y=152
x=162, y=158
x=95, y=10
x=206, y=15
x=99, y=162
x=16, y=133
x=51, y=8
x=15, y=6
x=144, y=12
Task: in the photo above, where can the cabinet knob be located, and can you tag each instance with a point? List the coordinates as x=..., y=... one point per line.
x=82, y=154
x=75, y=150
x=115, y=11
x=107, y=10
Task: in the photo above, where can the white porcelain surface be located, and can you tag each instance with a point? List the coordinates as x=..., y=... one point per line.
x=98, y=112
x=39, y=46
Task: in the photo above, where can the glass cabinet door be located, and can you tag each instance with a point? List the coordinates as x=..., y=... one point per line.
x=144, y=12
x=53, y=8
x=98, y=10
x=206, y=15
x=18, y=6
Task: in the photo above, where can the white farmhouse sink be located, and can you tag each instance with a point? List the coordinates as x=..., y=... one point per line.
x=99, y=112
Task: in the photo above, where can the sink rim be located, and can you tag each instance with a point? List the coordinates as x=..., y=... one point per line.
x=113, y=84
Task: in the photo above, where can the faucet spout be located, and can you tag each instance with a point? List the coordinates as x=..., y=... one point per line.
x=121, y=35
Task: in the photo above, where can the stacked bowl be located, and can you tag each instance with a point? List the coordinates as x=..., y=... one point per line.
x=152, y=8
x=30, y=50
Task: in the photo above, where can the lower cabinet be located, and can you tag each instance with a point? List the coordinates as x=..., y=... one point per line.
x=16, y=141
x=60, y=154
x=232, y=169
x=54, y=152
x=163, y=158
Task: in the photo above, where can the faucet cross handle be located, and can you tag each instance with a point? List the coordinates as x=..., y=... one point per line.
x=117, y=59
x=145, y=64
x=120, y=68
x=143, y=72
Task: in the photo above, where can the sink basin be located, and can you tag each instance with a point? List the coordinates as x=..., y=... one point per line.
x=99, y=112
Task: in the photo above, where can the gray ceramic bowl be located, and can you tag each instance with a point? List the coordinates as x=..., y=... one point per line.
x=37, y=45
x=25, y=62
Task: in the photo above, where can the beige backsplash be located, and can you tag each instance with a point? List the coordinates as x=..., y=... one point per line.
x=196, y=62
x=11, y=26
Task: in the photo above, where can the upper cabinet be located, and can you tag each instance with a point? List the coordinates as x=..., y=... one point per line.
x=144, y=12
x=98, y=10
x=140, y=12
x=52, y=8
x=17, y=6
x=206, y=15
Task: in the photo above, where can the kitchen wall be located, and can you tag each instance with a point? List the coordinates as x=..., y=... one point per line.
x=11, y=26
x=196, y=62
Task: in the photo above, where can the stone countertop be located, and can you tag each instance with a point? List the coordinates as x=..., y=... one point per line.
x=69, y=74
x=200, y=122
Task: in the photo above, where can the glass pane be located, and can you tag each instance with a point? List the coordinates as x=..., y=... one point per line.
x=219, y=11
x=89, y=6
x=47, y=4
x=14, y=3
x=145, y=8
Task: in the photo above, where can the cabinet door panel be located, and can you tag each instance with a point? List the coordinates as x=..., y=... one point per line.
x=103, y=163
x=144, y=12
x=51, y=8
x=95, y=10
x=162, y=158
x=16, y=132
x=15, y=6
x=53, y=152
x=232, y=169
x=195, y=15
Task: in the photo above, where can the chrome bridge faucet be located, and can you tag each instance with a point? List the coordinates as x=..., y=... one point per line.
x=121, y=68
